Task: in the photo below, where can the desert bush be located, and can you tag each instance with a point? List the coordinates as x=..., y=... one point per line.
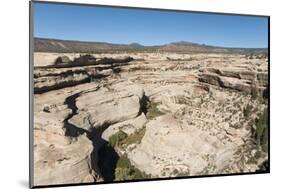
x=175, y=172
x=133, y=138
x=254, y=91
x=122, y=174
x=123, y=162
x=247, y=110
x=125, y=171
x=153, y=111
x=261, y=134
x=251, y=56
x=117, y=137
x=121, y=138
x=183, y=174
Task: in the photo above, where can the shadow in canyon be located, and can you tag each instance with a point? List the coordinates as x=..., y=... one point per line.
x=104, y=157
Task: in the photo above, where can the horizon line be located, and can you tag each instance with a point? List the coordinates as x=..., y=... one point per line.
x=180, y=41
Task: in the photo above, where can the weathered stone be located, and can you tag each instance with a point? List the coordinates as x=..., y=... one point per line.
x=62, y=60
x=189, y=125
x=233, y=78
x=58, y=158
x=166, y=144
x=107, y=108
x=47, y=80
x=129, y=126
x=62, y=162
x=262, y=78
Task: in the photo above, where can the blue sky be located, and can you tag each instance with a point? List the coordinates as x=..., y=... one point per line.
x=147, y=27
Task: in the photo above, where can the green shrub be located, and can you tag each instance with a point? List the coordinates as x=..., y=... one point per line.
x=153, y=111
x=133, y=138
x=262, y=130
x=254, y=92
x=123, y=174
x=123, y=162
x=175, y=172
x=125, y=171
x=247, y=110
x=116, y=138
x=183, y=174
x=121, y=138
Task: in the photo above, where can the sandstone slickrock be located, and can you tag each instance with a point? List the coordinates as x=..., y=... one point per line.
x=50, y=78
x=238, y=78
x=110, y=106
x=169, y=145
x=62, y=60
x=62, y=161
x=87, y=60
x=129, y=126
x=63, y=79
x=196, y=112
x=58, y=158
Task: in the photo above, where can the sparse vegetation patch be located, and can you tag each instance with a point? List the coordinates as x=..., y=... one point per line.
x=153, y=111
x=115, y=139
x=126, y=171
x=121, y=139
x=261, y=134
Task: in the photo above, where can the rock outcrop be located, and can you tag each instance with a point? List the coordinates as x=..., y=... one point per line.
x=111, y=105
x=129, y=126
x=62, y=161
x=67, y=78
x=168, y=146
x=191, y=114
x=62, y=60
x=240, y=79
x=86, y=60
x=60, y=158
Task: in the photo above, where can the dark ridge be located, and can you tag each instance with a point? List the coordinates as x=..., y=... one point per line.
x=70, y=46
x=109, y=63
x=60, y=86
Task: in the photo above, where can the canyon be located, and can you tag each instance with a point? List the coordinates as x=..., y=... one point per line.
x=166, y=114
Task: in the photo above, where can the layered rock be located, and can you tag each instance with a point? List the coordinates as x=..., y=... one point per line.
x=108, y=106
x=50, y=78
x=62, y=161
x=168, y=146
x=192, y=123
x=58, y=157
x=47, y=80
x=129, y=126
x=87, y=60
x=226, y=82
x=240, y=79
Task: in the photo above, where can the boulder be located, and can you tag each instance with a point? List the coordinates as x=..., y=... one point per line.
x=262, y=79
x=62, y=161
x=129, y=126
x=45, y=81
x=62, y=60
x=84, y=60
x=58, y=157
x=239, y=79
x=168, y=146
x=87, y=60
x=103, y=107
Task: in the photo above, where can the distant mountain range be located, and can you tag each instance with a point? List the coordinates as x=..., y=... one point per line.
x=69, y=46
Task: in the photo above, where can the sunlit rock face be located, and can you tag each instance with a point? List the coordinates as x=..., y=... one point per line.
x=178, y=115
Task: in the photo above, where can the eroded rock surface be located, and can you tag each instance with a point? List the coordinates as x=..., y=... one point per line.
x=59, y=158
x=196, y=112
x=108, y=106
x=237, y=78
